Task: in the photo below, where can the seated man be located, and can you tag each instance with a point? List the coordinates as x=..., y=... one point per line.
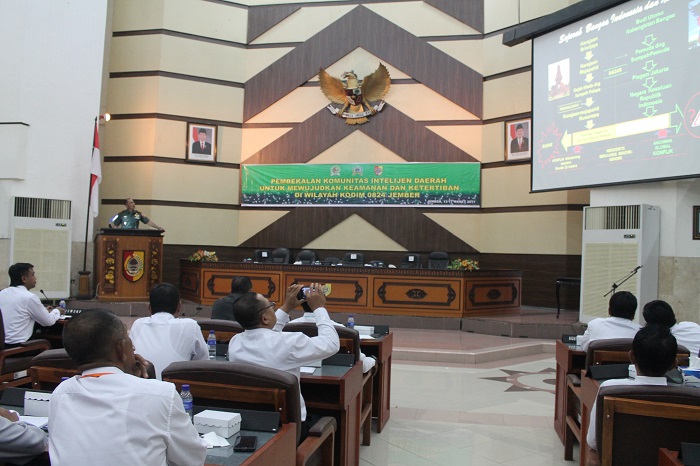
x=367, y=362
x=223, y=307
x=264, y=343
x=19, y=442
x=621, y=308
x=108, y=416
x=20, y=308
x=653, y=354
x=687, y=333
x=163, y=339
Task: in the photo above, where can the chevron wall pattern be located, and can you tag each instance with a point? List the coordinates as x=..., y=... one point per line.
x=251, y=70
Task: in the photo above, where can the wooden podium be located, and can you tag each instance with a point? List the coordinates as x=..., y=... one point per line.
x=127, y=263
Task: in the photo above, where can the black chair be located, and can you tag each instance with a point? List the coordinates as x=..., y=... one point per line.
x=411, y=261
x=331, y=261
x=263, y=255
x=281, y=256
x=438, y=260
x=306, y=256
x=353, y=259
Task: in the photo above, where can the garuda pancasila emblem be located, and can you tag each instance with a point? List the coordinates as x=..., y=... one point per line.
x=356, y=94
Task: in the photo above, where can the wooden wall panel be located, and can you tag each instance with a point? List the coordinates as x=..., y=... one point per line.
x=363, y=28
x=407, y=138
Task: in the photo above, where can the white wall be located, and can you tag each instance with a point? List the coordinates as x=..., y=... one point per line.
x=51, y=79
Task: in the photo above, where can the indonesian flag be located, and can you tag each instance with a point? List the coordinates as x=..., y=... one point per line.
x=95, y=173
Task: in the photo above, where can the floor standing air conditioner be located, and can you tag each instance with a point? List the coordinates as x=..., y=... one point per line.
x=40, y=233
x=617, y=240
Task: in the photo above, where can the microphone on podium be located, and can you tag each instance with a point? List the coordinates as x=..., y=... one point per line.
x=46, y=297
x=637, y=268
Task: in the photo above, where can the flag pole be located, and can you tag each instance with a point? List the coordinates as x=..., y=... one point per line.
x=84, y=282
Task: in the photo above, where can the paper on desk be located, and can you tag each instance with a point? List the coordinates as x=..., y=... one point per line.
x=307, y=370
x=38, y=421
x=366, y=337
x=214, y=440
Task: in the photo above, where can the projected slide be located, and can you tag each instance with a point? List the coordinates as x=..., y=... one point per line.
x=616, y=97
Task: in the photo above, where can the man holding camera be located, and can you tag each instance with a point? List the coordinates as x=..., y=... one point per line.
x=263, y=342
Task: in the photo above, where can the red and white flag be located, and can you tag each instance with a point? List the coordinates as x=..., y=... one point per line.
x=95, y=174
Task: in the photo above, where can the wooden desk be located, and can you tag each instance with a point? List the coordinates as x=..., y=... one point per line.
x=366, y=290
x=589, y=392
x=668, y=458
x=278, y=449
x=568, y=361
x=381, y=348
x=335, y=391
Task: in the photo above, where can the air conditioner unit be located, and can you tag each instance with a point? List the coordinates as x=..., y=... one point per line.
x=40, y=233
x=616, y=240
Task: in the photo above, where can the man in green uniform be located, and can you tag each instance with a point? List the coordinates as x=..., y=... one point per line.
x=129, y=218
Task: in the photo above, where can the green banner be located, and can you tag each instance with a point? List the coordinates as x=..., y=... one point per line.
x=364, y=184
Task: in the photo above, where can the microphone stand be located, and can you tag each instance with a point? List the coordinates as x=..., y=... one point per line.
x=616, y=285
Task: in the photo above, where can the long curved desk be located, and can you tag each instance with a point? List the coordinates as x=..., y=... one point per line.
x=366, y=290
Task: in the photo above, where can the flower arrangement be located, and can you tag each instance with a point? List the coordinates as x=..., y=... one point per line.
x=203, y=256
x=464, y=264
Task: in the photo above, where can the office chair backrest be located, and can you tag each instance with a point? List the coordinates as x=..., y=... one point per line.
x=349, y=338
x=616, y=351
x=263, y=255
x=438, y=260
x=281, y=256
x=331, y=261
x=643, y=418
x=48, y=367
x=353, y=258
x=224, y=329
x=306, y=256
x=411, y=261
x=240, y=385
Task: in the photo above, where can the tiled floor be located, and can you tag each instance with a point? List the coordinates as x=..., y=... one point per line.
x=497, y=412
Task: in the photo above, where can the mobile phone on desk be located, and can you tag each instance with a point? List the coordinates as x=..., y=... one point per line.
x=245, y=443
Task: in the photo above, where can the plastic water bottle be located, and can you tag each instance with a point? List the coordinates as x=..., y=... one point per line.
x=351, y=322
x=187, y=400
x=62, y=304
x=211, y=341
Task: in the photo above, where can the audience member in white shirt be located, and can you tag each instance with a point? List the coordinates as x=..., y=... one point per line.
x=108, y=416
x=367, y=362
x=653, y=354
x=21, y=308
x=621, y=308
x=20, y=442
x=163, y=339
x=687, y=333
x=264, y=343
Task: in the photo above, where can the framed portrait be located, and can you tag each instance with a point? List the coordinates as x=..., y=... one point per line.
x=201, y=143
x=517, y=141
x=696, y=222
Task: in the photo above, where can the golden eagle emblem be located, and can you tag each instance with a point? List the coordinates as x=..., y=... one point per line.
x=355, y=94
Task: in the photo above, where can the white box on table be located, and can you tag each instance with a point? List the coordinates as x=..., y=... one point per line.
x=224, y=424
